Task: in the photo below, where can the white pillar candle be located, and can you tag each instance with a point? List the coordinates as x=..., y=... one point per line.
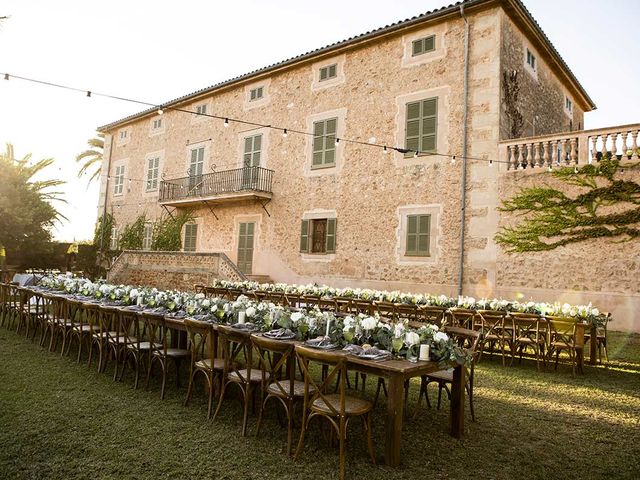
x=424, y=352
x=328, y=326
x=241, y=317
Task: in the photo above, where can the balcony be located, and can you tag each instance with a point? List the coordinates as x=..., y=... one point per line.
x=576, y=148
x=240, y=184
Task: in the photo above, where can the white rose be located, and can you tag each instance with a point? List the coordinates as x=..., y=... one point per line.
x=369, y=323
x=441, y=337
x=296, y=317
x=412, y=338
x=133, y=293
x=199, y=295
x=206, y=302
x=251, y=312
x=595, y=312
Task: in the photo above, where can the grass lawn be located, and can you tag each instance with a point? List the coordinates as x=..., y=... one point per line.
x=59, y=419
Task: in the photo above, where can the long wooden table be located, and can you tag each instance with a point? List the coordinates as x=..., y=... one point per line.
x=396, y=372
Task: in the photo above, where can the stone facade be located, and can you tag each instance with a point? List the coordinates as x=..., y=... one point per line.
x=368, y=192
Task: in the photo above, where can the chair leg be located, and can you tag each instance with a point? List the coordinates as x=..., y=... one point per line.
x=343, y=439
x=367, y=424
x=80, y=338
x=222, y=390
x=189, y=388
x=439, y=394
x=245, y=416
x=303, y=429
x=289, y=410
x=164, y=364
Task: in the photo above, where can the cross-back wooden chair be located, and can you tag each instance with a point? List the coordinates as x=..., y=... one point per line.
x=497, y=330
x=14, y=305
x=465, y=338
x=81, y=330
x=530, y=332
x=601, y=338
x=385, y=309
x=366, y=307
x=61, y=323
x=161, y=350
x=563, y=337
x=276, y=298
x=199, y=288
x=336, y=408
x=5, y=294
x=203, y=342
x=92, y=316
x=236, y=344
x=135, y=346
x=277, y=367
x=461, y=317
x=431, y=315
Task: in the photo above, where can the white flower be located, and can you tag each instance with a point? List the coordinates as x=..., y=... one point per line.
x=398, y=330
x=369, y=323
x=251, y=312
x=411, y=338
x=206, y=303
x=214, y=308
x=441, y=337
x=296, y=317
x=199, y=295
x=133, y=293
x=595, y=312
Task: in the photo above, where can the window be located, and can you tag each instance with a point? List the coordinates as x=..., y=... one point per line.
x=418, y=232
x=423, y=45
x=153, y=167
x=190, y=237
x=124, y=134
x=330, y=71
x=422, y=126
x=118, y=182
x=531, y=60
x=318, y=236
x=252, y=150
x=147, y=236
x=324, y=143
x=568, y=105
x=201, y=109
x=113, y=244
x=256, y=94
x=157, y=124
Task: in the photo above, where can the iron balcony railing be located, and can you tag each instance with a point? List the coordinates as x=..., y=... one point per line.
x=246, y=179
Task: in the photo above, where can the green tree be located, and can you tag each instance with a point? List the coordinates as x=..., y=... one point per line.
x=92, y=158
x=167, y=232
x=26, y=212
x=133, y=234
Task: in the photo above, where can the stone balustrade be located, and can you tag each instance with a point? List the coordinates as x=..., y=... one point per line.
x=571, y=148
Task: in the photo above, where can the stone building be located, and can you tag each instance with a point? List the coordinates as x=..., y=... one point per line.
x=317, y=207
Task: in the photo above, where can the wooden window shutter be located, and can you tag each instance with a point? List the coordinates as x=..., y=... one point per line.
x=324, y=71
x=333, y=71
x=429, y=125
x=412, y=234
x=304, y=236
x=330, y=238
x=318, y=143
x=412, y=128
x=429, y=44
x=416, y=47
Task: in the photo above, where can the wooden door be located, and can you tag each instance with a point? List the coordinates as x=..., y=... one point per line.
x=319, y=236
x=245, y=247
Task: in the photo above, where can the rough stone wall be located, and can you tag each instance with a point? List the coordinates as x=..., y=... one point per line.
x=604, y=272
x=170, y=270
x=541, y=100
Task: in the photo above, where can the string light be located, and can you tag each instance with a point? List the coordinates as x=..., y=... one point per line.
x=415, y=155
x=490, y=162
x=337, y=141
x=453, y=159
x=550, y=168
x=575, y=169
x=385, y=150
x=285, y=131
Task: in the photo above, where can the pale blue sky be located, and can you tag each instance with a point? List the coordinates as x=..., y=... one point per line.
x=154, y=51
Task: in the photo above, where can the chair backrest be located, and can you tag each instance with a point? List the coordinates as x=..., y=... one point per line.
x=199, y=288
x=430, y=314
x=273, y=356
x=366, y=307
x=562, y=330
x=385, y=309
x=276, y=298
x=461, y=317
x=410, y=312
x=234, y=343
x=313, y=389
x=293, y=299
x=201, y=340
x=528, y=325
x=493, y=322
x=343, y=304
x=129, y=328
x=467, y=339
x=155, y=328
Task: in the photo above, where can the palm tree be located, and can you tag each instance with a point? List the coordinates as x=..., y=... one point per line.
x=92, y=158
x=28, y=170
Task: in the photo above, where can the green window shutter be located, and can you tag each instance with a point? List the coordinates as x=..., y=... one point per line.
x=304, y=236
x=416, y=47
x=324, y=143
x=333, y=71
x=190, y=237
x=330, y=238
x=324, y=71
x=418, y=235
x=421, y=126
x=429, y=44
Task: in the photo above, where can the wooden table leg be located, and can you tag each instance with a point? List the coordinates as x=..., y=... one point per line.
x=593, y=343
x=393, y=433
x=456, y=418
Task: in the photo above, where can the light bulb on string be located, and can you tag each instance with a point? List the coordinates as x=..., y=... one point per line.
x=226, y=122
x=575, y=169
x=160, y=111
x=550, y=168
x=415, y=155
x=453, y=159
x=490, y=162
x=88, y=93
x=385, y=150
x=285, y=133
x=6, y=76
x=337, y=141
